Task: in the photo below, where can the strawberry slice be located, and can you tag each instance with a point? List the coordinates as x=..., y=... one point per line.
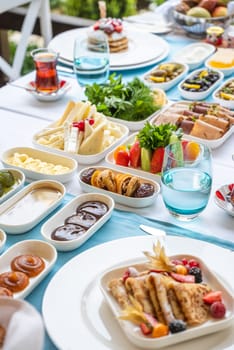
x=211, y=297
x=183, y=278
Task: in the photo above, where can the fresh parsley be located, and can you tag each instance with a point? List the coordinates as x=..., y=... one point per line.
x=132, y=101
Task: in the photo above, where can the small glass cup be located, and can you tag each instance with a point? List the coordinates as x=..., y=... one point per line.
x=186, y=179
x=45, y=61
x=91, y=59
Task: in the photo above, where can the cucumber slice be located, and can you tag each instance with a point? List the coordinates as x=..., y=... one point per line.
x=146, y=156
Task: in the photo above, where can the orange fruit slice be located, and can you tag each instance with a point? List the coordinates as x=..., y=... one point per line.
x=192, y=151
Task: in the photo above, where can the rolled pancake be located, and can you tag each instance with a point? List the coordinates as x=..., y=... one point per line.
x=206, y=131
x=119, y=292
x=154, y=299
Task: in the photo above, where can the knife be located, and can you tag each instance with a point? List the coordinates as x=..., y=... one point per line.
x=153, y=231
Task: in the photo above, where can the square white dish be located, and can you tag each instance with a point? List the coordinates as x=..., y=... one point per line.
x=167, y=84
x=128, y=169
x=19, y=183
x=219, y=99
x=173, y=116
x=29, y=206
x=69, y=209
x=194, y=54
x=82, y=159
x=198, y=95
x=35, y=247
x=133, y=333
x=134, y=202
x=35, y=160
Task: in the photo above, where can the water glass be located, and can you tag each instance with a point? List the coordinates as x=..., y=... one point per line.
x=45, y=61
x=91, y=59
x=186, y=179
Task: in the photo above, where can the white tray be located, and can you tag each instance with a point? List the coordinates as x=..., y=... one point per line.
x=82, y=159
x=24, y=215
x=121, y=199
x=44, y=156
x=137, y=338
x=19, y=183
x=225, y=103
x=44, y=250
x=70, y=209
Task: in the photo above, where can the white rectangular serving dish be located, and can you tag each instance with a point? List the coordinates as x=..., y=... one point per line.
x=43, y=156
x=194, y=54
x=168, y=84
x=134, y=334
x=44, y=250
x=225, y=103
x=128, y=169
x=28, y=207
x=119, y=198
x=198, y=95
x=226, y=71
x=212, y=144
x=19, y=183
x=80, y=158
x=70, y=209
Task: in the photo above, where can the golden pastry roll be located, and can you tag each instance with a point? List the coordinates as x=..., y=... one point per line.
x=119, y=292
x=216, y=121
x=206, y=131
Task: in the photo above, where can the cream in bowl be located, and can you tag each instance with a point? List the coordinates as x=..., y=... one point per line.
x=38, y=164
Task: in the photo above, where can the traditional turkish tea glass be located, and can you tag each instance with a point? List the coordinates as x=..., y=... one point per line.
x=91, y=59
x=186, y=179
x=45, y=60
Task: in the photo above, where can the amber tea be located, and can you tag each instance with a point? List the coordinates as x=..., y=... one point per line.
x=46, y=74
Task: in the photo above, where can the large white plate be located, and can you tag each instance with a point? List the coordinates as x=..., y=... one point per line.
x=84, y=318
x=144, y=48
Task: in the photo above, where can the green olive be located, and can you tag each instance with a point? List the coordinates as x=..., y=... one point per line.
x=6, y=179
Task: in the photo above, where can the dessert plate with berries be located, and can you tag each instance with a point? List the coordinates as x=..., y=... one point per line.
x=224, y=198
x=93, y=324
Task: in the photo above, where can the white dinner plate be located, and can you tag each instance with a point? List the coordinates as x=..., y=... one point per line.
x=84, y=317
x=144, y=48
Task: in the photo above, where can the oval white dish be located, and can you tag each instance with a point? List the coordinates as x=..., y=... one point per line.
x=3, y=238
x=30, y=205
x=226, y=71
x=19, y=183
x=64, y=86
x=224, y=102
x=167, y=84
x=119, y=198
x=35, y=247
x=198, y=95
x=70, y=209
x=194, y=54
x=36, y=159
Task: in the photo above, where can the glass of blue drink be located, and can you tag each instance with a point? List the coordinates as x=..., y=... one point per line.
x=91, y=59
x=186, y=179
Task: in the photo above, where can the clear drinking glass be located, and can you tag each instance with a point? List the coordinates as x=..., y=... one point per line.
x=186, y=179
x=91, y=59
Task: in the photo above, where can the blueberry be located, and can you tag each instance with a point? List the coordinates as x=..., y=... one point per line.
x=196, y=272
x=177, y=326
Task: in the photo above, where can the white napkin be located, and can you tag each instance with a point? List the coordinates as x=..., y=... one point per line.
x=24, y=325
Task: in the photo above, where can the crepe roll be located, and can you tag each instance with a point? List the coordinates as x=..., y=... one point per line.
x=216, y=121
x=117, y=289
x=206, y=131
x=154, y=299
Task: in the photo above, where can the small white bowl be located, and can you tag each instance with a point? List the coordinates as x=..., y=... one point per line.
x=19, y=183
x=135, y=202
x=226, y=71
x=221, y=199
x=23, y=324
x=64, y=86
x=216, y=95
x=198, y=95
x=29, y=206
x=194, y=54
x=43, y=156
x=70, y=209
x=3, y=238
x=35, y=247
x=169, y=84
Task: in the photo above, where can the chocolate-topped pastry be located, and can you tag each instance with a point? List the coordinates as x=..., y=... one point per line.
x=87, y=174
x=96, y=208
x=82, y=218
x=144, y=190
x=67, y=232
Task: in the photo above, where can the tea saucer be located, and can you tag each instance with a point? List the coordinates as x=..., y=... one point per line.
x=222, y=198
x=64, y=86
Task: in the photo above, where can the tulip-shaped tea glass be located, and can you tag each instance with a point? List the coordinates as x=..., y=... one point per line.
x=91, y=59
x=186, y=179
